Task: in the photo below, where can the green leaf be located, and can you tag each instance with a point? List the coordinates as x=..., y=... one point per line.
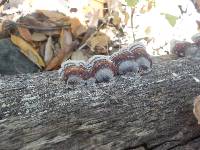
x=171, y=19
x=131, y=3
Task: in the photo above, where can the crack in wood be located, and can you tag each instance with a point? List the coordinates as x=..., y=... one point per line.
x=162, y=143
x=185, y=142
x=141, y=146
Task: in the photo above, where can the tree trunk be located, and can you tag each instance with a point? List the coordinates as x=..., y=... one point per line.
x=153, y=111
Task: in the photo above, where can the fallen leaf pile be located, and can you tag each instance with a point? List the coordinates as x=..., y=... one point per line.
x=48, y=38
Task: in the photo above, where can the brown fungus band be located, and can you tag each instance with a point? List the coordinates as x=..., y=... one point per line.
x=184, y=48
x=73, y=71
x=124, y=62
x=103, y=68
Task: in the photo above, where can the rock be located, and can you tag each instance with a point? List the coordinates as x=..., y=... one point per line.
x=12, y=61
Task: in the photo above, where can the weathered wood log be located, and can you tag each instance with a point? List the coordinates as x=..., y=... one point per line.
x=154, y=111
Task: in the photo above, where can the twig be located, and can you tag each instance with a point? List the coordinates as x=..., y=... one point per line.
x=91, y=36
x=44, y=28
x=132, y=12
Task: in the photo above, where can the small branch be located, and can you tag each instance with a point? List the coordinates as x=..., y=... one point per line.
x=132, y=13
x=91, y=36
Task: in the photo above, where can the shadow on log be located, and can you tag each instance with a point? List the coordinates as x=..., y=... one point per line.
x=152, y=112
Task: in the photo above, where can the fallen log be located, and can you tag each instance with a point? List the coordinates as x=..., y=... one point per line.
x=153, y=111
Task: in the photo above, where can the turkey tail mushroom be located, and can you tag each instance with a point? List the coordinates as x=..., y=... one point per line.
x=142, y=58
x=184, y=48
x=73, y=72
x=101, y=68
x=124, y=62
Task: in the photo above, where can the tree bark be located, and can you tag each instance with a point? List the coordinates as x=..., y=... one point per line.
x=153, y=111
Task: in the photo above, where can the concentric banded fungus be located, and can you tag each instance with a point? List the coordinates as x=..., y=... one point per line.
x=135, y=46
x=144, y=63
x=124, y=62
x=101, y=68
x=179, y=48
x=142, y=58
x=73, y=71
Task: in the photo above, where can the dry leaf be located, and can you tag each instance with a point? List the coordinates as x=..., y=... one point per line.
x=147, y=7
x=52, y=33
x=31, y=21
x=1, y=27
x=53, y=15
x=57, y=48
x=198, y=3
x=25, y=33
x=126, y=18
x=62, y=55
x=151, y=4
x=38, y=37
x=58, y=59
x=196, y=109
x=48, y=50
x=28, y=50
x=90, y=32
x=100, y=39
x=80, y=30
x=40, y=22
x=147, y=30
x=42, y=49
x=116, y=19
x=75, y=24
x=78, y=55
x=101, y=50
x=65, y=39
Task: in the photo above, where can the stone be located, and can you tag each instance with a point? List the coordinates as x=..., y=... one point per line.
x=12, y=61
